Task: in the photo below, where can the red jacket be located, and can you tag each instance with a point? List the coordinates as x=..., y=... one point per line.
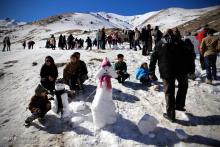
x=200, y=36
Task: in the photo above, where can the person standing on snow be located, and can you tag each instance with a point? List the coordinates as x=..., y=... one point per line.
x=137, y=39
x=24, y=44
x=199, y=37
x=149, y=39
x=131, y=38
x=157, y=34
x=60, y=42
x=89, y=43
x=103, y=38
x=144, y=40
x=209, y=52
x=53, y=42
x=49, y=74
x=98, y=38
x=7, y=44
x=172, y=59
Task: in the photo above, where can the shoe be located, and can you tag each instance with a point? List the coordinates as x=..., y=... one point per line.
x=168, y=117
x=209, y=82
x=180, y=109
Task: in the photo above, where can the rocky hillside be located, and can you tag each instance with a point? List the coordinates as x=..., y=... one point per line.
x=212, y=18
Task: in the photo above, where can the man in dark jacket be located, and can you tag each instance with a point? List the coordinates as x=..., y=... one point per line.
x=131, y=38
x=103, y=38
x=70, y=41
x=157, y=35
x=149, y=38
x=121, y=69
x=89, y=43
x=144, y=40
x=49, y=74
x=172, y=59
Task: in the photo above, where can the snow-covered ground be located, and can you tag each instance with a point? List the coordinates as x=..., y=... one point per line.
x=18, y=79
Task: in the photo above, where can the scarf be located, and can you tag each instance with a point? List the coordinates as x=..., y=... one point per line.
x=107, y=79
x=59, y=100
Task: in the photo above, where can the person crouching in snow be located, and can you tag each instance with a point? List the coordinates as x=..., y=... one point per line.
x=142, y=74
x=49, y=74
x=121, y=69
x=71, y=73
x=39, y=105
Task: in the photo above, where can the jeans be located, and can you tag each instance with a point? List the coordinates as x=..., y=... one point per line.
x=210, y=65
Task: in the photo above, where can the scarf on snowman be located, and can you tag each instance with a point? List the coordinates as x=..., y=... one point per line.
x=107, y=80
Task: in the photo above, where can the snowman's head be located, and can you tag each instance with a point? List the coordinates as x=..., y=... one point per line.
x=59, y=85
x=106, y=69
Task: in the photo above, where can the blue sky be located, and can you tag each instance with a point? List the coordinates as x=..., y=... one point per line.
x=30, y=10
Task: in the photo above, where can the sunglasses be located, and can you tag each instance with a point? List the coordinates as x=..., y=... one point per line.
x=47, y=60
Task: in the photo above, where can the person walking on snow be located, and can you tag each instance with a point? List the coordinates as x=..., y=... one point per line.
x=172, y=59
x=209, y=51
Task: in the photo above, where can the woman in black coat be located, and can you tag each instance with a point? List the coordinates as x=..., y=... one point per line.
x=49, y=74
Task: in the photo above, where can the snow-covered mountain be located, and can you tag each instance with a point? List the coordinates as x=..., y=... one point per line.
x=10, y=23
x=77, y=23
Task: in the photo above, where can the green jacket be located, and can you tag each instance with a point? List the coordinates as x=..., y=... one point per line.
x=121, y=66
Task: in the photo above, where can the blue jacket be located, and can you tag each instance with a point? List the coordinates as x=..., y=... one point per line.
x=141, y=72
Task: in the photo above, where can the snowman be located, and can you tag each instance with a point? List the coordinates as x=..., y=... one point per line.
x=103, y=107
x=61, y=104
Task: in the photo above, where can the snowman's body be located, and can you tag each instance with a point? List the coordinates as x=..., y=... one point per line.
x=61, y=99
x=103, y=107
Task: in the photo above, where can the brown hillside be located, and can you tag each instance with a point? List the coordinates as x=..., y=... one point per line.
x=211, y=18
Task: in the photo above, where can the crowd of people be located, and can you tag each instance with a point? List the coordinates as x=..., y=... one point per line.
x=174, y=54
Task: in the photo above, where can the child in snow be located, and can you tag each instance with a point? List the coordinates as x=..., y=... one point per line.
x=39, y=104
x=121, y=69
x=142, y=73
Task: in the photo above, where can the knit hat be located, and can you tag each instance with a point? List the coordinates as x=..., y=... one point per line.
x=106, y=62
x=40, y=89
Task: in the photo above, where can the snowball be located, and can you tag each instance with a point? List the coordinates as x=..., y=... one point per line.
x=147, y=124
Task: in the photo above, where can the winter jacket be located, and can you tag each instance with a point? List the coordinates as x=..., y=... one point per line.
x=171, y=57
x=69, y=70
x=89, y=42
x=47, y=71
x=144, y=35
x=209, y=46
x=83, y=68
x=200, y=37
x=39, y=103
x=98, y=35
x=131, y=35
x=141, y=72
x=137, y=35
x=157, y=35
x=121, y=66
